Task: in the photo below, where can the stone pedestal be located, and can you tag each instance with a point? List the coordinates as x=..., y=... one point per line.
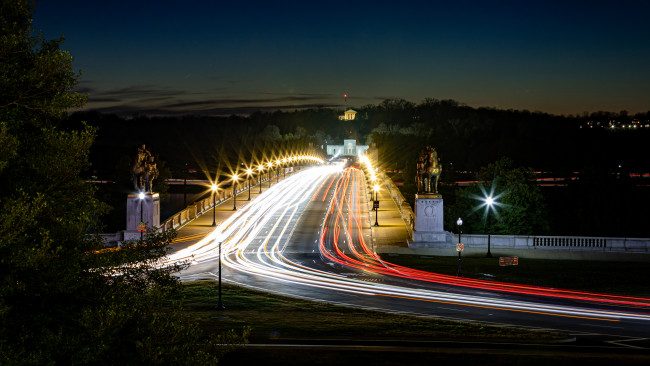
x=428, y=219
x=141, y=210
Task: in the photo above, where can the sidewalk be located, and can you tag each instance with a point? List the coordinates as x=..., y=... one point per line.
x=392, y=231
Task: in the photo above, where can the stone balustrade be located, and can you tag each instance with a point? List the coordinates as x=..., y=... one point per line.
x=405, y=210
x=585, y=243
x=198, y=208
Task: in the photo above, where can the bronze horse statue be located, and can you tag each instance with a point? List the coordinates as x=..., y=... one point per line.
x=144, y=170
x=429, y=170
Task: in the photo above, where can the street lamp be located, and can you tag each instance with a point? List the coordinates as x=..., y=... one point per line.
x=270, y=166
x=372, y=179
x=284, y=168
x=260, y=169
x=376, y=204
x=219, y=303
x=489, y=201
x=277, y=166
x=141, y=229
x=234, y=191
x=214, y=204
x=459, y=222
x=248, y=174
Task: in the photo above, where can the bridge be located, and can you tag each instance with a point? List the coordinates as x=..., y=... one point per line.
x=312, y=235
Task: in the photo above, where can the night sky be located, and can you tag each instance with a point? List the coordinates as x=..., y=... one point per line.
x=224, y=57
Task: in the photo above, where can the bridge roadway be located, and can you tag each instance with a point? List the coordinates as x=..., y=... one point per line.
x=309, y=237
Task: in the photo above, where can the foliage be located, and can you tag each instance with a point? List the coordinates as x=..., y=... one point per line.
x=62, y=300
x=519, y=208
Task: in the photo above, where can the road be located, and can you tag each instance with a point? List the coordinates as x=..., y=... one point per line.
x=308, y=237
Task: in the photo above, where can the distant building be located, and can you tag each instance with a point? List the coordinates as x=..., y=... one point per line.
x=349, y=148
x=349, y=115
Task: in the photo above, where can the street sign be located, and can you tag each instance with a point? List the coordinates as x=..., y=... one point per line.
x=508, y=261
x=460, y=247
x=375, y=205
x=142, y=227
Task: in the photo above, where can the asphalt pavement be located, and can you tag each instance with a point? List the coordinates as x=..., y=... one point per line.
x=302, y=251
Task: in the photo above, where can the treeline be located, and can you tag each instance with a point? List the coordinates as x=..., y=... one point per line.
x=466, y=138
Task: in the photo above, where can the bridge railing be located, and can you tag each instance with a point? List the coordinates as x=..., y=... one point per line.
x=405, y=210
x=534, y=242
x=199, y=207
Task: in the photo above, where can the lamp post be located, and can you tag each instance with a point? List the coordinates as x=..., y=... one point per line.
x=376, y=204
x=141, y=229
x=219, y=303
x=489, y=201
x=284, y=168
x=270, y=165
x=260, y=169
x=248, y=174
x=459, y=222
x=234, y=192
x=214, y=204
x=277, y=166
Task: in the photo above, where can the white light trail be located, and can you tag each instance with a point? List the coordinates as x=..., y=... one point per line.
x=254, y=239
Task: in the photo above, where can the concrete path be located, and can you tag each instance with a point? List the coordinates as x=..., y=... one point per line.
x=392, y=230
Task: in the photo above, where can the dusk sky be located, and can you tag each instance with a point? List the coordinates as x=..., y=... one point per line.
x=224, y=57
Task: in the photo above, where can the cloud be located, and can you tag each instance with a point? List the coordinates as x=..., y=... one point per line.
x=129, y=110
x=84, y=89
x=159, y=100
x=92, y=99
x=137, y=91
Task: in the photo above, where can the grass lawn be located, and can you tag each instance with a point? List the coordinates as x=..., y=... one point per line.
x=624, y=278
x=276, y=318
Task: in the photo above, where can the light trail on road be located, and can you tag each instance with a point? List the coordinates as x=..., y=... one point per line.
x=255, y=240
x=371, y=262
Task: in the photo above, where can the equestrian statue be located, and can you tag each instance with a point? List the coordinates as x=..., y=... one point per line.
x=428, y=171
x=144, y=170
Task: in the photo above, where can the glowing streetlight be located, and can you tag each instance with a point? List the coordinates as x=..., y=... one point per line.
x=214, y=204
x=270, y=165
x=489, y=201
x=248, y=174
x=234, y=191
x=459, y=222
x=260, y=169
